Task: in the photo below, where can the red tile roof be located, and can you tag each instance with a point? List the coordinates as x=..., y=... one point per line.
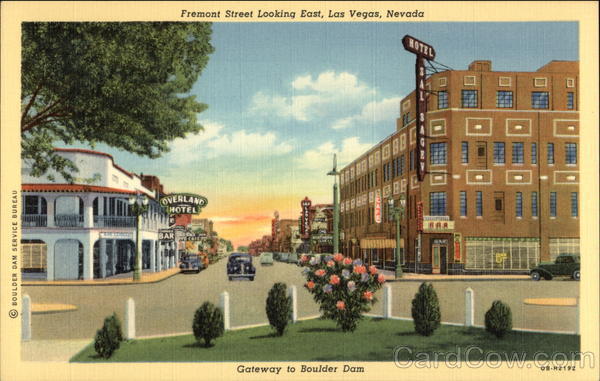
x=75, y=188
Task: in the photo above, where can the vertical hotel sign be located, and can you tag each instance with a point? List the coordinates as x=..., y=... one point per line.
x=423, y=51
x=305, y=223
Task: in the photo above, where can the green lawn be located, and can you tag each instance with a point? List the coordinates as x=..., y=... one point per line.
x=320, y=340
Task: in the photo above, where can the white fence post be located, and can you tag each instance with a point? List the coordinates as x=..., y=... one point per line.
x=226, y=313
x=26, y=319
x=130, y=319
x=469, y=307
x=387, y=301
x=577, y=317
x=294, y=295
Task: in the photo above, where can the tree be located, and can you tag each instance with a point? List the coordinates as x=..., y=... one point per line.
x=208, y=323
x=279, y=307
x=243, y=249
x=227, y=243
x=109, y=337
x=426, y=310
x=123, y=84
x=498, y=319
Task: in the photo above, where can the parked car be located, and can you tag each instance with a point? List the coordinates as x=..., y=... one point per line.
x=283, y=257
x=240, y=265
x=191, y=262
x=293, y=258
x=564, y=264
x=266, y=258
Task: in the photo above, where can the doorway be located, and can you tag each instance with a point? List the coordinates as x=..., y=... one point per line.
x=439, y=256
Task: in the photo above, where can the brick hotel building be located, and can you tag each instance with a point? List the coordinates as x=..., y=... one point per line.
x=502, y=186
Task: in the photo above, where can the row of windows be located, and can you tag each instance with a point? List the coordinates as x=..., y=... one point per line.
x=504, y=99
x=437, y=204
x=439, y=154
x=518, y=153
x=438, y=207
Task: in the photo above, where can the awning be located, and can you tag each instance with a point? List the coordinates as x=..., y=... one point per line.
x=379, y=243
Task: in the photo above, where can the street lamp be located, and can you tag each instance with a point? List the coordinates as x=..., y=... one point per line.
x=139, y=206
x=336, y=207
x=398, y=214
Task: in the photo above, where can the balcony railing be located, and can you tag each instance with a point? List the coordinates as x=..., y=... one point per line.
x=34, y=220
x=68, y=220
x=114, y=221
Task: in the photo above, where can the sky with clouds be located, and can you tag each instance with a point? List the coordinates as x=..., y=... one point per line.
x=283, y=97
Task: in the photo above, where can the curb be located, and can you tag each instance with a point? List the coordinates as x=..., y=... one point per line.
x=458, y=280
x=98, y=283
x=479, y=325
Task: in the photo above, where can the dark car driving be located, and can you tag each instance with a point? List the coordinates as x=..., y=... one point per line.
x=240, y=265
x=191, y=262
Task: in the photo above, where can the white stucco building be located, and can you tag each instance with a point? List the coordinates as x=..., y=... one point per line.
x=85, y=229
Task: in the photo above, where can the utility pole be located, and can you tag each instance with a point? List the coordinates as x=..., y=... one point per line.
x=336, y=207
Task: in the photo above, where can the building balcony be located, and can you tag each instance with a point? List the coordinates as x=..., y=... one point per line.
x=114, y=221
x=68, y=220
x=34, y=220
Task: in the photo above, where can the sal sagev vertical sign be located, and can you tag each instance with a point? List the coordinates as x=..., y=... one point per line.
x=423, y=52
x=183, y=203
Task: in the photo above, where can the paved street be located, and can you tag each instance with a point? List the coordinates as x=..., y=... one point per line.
x=163, y=307
x=168, y=306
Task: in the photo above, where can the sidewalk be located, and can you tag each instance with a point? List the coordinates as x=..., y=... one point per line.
x=52, y=350
x=120, y=279
x=390, y=277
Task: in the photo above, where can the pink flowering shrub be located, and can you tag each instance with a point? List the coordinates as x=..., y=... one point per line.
x=344, y=288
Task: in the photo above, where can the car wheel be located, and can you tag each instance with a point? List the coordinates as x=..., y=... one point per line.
x=251, y=279
x=230, y=278
x=535, y=276
x=577, y=275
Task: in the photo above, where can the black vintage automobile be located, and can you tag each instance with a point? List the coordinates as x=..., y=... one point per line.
x=239, y=266
x=190, y=262
x=563, y=265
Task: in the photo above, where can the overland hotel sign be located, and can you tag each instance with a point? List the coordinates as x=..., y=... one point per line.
x=183, y=203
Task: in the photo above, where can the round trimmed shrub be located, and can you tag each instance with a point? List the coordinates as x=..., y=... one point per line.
x=208, y=323
x=426, y=310
x=279, y=307
x=109, y=337
x=498, y=319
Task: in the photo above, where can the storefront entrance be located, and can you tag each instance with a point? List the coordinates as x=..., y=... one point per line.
x=439, y=255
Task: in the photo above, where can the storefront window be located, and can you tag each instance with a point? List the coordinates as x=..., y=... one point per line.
x=563, y=246
x=501, y=253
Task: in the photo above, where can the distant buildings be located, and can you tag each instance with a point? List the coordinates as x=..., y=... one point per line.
x=502, y=186
x=286, y=234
